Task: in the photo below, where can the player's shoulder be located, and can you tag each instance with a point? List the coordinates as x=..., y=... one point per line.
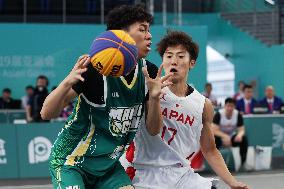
x=151, y=68
x=196, y=93
x=150, y=64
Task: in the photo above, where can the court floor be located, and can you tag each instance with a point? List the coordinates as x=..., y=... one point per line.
x=257, y=180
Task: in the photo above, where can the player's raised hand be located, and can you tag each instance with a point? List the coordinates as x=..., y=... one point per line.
x=155, y=85
x=80, y=67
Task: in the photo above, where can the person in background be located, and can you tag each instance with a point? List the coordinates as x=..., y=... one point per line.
x=246, y=104
x=6, y=101
x=229, y=130
x=272, y=102
x=36, y=101
x=208, y=94
x=29, y=94
x=240, y=93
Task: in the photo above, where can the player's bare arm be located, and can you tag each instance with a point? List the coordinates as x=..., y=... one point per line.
x=63, y=94
x=154, y=116
x=210, y=152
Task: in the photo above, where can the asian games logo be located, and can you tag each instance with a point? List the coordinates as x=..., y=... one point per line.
x=124, y=119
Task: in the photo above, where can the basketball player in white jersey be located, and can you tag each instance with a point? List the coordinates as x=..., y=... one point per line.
x=177, y=125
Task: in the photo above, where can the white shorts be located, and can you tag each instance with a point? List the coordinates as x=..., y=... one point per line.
x=170, y=178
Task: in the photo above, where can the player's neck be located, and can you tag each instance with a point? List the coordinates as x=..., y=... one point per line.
x=179, y=89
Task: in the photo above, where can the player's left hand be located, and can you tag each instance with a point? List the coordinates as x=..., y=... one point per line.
x=155, y=85
x=239, y=185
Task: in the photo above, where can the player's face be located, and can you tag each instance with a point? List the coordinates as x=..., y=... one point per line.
x=41, y=82
x=177, y=60
x=29, y=92
x=229, y=108
x=140, y=32
x=6, y=95
x=208, y=88
x=248, y=93
x=269, y=92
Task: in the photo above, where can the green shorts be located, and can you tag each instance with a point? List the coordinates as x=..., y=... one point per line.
x=72, y=177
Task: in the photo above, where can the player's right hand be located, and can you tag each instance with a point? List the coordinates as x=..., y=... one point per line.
x=239, y=185
x=80, y=67
x=155, y=85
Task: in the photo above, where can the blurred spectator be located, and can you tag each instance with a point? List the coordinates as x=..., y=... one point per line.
x=6, y=101
x=240, y=93
x=247, y=103
x=29, y=94
x=272, y=102
x=228, y=128
x=36, y=101
x=67, y=111
x=208, y=94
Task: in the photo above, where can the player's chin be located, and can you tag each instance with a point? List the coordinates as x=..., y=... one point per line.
x=143, y=53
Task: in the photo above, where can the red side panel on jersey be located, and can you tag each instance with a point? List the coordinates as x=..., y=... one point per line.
x=130, y=171
x=197, y=161
x=130, y=152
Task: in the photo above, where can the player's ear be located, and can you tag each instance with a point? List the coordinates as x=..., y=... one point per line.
x=191, y=64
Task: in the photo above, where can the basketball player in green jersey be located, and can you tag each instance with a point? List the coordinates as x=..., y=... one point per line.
x=107, y=113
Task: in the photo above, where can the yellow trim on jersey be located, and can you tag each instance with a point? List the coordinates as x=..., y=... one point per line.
x=58, y=178
x=131, y=84
x=133, y=80
x=69, y=123
x=81, y=148
x=58, y=175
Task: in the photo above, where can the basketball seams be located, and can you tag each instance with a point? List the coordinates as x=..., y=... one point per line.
x=119, y=44
x=113, y=54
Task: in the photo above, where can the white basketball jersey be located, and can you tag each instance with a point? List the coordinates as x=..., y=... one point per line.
x=228, y=125
x=179, y=138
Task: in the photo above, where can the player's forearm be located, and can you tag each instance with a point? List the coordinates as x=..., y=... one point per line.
x=216, y=161
x=154, y=120
x=55, y=101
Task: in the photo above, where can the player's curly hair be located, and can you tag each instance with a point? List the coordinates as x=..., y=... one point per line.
x=123, y=16
x=175, y=38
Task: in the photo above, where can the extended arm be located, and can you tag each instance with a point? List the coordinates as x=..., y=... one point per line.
x=63, y=94
x=210, y=152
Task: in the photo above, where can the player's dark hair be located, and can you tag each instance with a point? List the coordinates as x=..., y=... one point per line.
x=247, y=87
x=123, y=16
x=175, y=38
x=29, y=87
x=208, y=85
x=230, y=100
x=7, y=90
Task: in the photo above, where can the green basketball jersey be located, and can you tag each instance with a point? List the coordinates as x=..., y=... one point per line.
x=95, y=135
